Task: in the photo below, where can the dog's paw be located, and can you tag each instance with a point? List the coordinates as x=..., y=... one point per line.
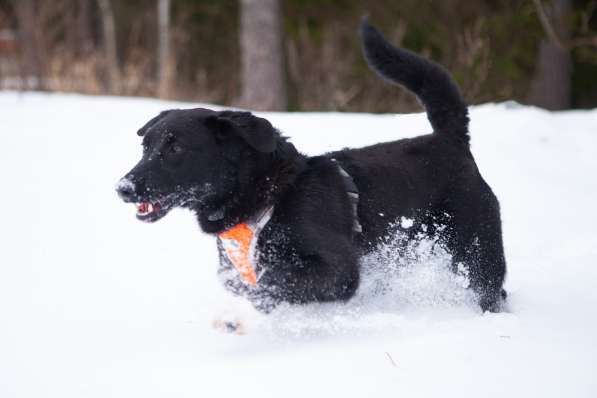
x=234, y=326
x=236, y=316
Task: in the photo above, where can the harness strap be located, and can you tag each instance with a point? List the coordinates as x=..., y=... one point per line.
x=353, y=196
x=240, y=241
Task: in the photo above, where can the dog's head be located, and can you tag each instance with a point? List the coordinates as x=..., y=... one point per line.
x=195, y=158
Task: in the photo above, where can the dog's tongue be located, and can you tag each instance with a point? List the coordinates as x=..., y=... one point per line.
x=146, y=208
x=142, y=207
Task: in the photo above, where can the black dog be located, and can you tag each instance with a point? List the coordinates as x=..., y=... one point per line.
x=292, y=228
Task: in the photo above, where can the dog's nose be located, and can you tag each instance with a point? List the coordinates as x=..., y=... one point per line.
x=126, y=189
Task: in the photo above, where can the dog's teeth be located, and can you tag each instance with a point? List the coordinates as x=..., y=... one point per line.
x=144, y=208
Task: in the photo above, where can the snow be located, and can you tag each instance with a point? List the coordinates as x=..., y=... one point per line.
x=94, y=303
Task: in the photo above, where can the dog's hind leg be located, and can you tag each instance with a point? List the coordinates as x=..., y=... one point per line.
x=475, y=240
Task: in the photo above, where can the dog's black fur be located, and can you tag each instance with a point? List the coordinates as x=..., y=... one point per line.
x=228, y=166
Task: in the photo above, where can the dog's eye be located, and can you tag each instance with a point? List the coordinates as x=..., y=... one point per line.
x=177, y=148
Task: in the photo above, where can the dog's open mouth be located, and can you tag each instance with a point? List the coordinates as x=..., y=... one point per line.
x=147, y=211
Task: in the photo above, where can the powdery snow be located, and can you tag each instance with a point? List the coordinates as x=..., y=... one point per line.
x=94, y=303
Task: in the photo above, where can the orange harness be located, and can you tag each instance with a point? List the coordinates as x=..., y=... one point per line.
x=239, y=243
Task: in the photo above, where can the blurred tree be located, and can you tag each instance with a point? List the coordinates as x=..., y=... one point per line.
x=83, y=39
x=32, y=73
x=110, y=46
x=263, y=76
x=550, y=88
x=570, y=37
x=164, y=57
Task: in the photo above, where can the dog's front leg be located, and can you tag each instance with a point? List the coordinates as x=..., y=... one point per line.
x=322, y=278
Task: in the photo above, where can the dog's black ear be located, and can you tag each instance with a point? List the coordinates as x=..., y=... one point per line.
x=141, y=132
x=255, y=131
x=220, y=126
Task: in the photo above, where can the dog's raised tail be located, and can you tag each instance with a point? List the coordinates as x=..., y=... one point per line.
x=432, y=84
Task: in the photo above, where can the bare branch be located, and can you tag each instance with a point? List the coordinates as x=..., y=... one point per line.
x=547, y=26
x=584, y=41
x=391, y=359
x=553, y=36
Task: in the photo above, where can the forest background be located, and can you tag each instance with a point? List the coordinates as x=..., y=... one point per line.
x=298, y=55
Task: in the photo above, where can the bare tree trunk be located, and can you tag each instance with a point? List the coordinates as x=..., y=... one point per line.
x=263, y=77
x=83, y=28
x=550, y=87
x=32, y=73
x=110, y=46
x=164, y=56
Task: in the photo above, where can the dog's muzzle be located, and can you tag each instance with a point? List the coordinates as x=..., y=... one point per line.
x=126, y=189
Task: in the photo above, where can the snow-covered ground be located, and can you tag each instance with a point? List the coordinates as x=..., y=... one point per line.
x=94, y=303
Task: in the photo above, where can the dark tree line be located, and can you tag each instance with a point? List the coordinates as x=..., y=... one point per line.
x=298, y=54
